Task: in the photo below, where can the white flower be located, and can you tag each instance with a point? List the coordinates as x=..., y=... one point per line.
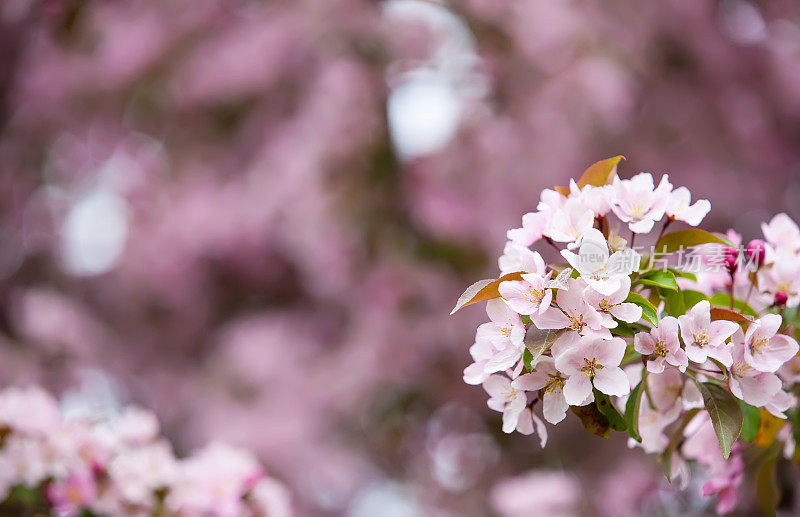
x=680, y=209
x=505, y=399
x=601, y=270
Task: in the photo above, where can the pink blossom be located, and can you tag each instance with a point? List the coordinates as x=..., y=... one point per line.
x=573, y=313
x=613, y=305
x=531, y=295
x=782, y=232
x=506, y=399
x=598, y=199
x=661, y=346
x=679, y=207
x=705, y=338
x=534, y=225
x=754, y=387
x=520, y=258
x=570, y=221
x=593, y=361
x=765, y=349
x=545, y=376
x=637, y=203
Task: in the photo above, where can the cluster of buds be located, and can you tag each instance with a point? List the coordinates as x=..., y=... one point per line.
x=52, y=463
x=674, y=359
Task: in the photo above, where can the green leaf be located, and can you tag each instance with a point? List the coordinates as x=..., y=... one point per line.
x=751, y=417
x=674, y=305
x=649, y=312
x=622, y=329
x=726, y=416
x=632, y=408
x=724, y=300
x=683, y=274
x=483, y=290
x=527, y=358
x=538, y=340
x=692, y=298
x=615, y=419
x=593, y=420
x=682, y=239
x=660, y=279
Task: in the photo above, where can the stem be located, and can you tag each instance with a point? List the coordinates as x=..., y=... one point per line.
x=663, y=228
x=553, y=244
x=633, y=239
x=731, y=291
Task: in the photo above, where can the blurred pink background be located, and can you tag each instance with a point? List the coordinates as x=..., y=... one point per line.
x=254, y=217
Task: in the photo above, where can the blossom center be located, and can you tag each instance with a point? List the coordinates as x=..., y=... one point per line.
x=590, y=367
x=576, y=322
x=742, y=369
x=759, y=345
x=536, y=295
x=661, y=349
x=701, y=338
x=606, y=305
x=554, y=383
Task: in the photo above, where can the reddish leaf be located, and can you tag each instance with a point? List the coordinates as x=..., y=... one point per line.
x=721, y=313
x=598, y=174
x=483, y=290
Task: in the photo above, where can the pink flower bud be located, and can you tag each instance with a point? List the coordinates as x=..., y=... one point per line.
x=731, y=259
x=780, y=299
x=756, y=252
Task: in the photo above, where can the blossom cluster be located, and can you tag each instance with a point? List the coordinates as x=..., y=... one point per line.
x=67, y=465
x=679, y=361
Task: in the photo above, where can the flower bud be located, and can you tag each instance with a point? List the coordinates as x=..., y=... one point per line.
x=731, y=259
x=780, y=299
x=756, y=252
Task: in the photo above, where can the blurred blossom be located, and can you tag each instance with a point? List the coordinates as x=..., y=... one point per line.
x=551, y=493
x=94, y=233
x=386, y=499
x=252, y=218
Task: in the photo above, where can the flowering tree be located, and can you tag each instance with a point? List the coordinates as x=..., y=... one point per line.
x=687, y=345
x=60, y=464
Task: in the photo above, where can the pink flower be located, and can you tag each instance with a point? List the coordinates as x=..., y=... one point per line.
x=69, y=495
x=545, y=376
x=520, y=258
x=498, y=344
x=573, y=314
x=597, y=199
x=637, y=203
x=506, y=325
x=534, y=224
x=613, y=305
x=680, y=209
x=593, y=361
x=570, y=221
x=662, y=346
x=765, y=349
x=601, y=270
x=782, y=232
x=783, y=277
x=754, y=387
x=780, y=402
x=506, y=399
x=705, y=338
x=530, y=295
x=490, y=357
